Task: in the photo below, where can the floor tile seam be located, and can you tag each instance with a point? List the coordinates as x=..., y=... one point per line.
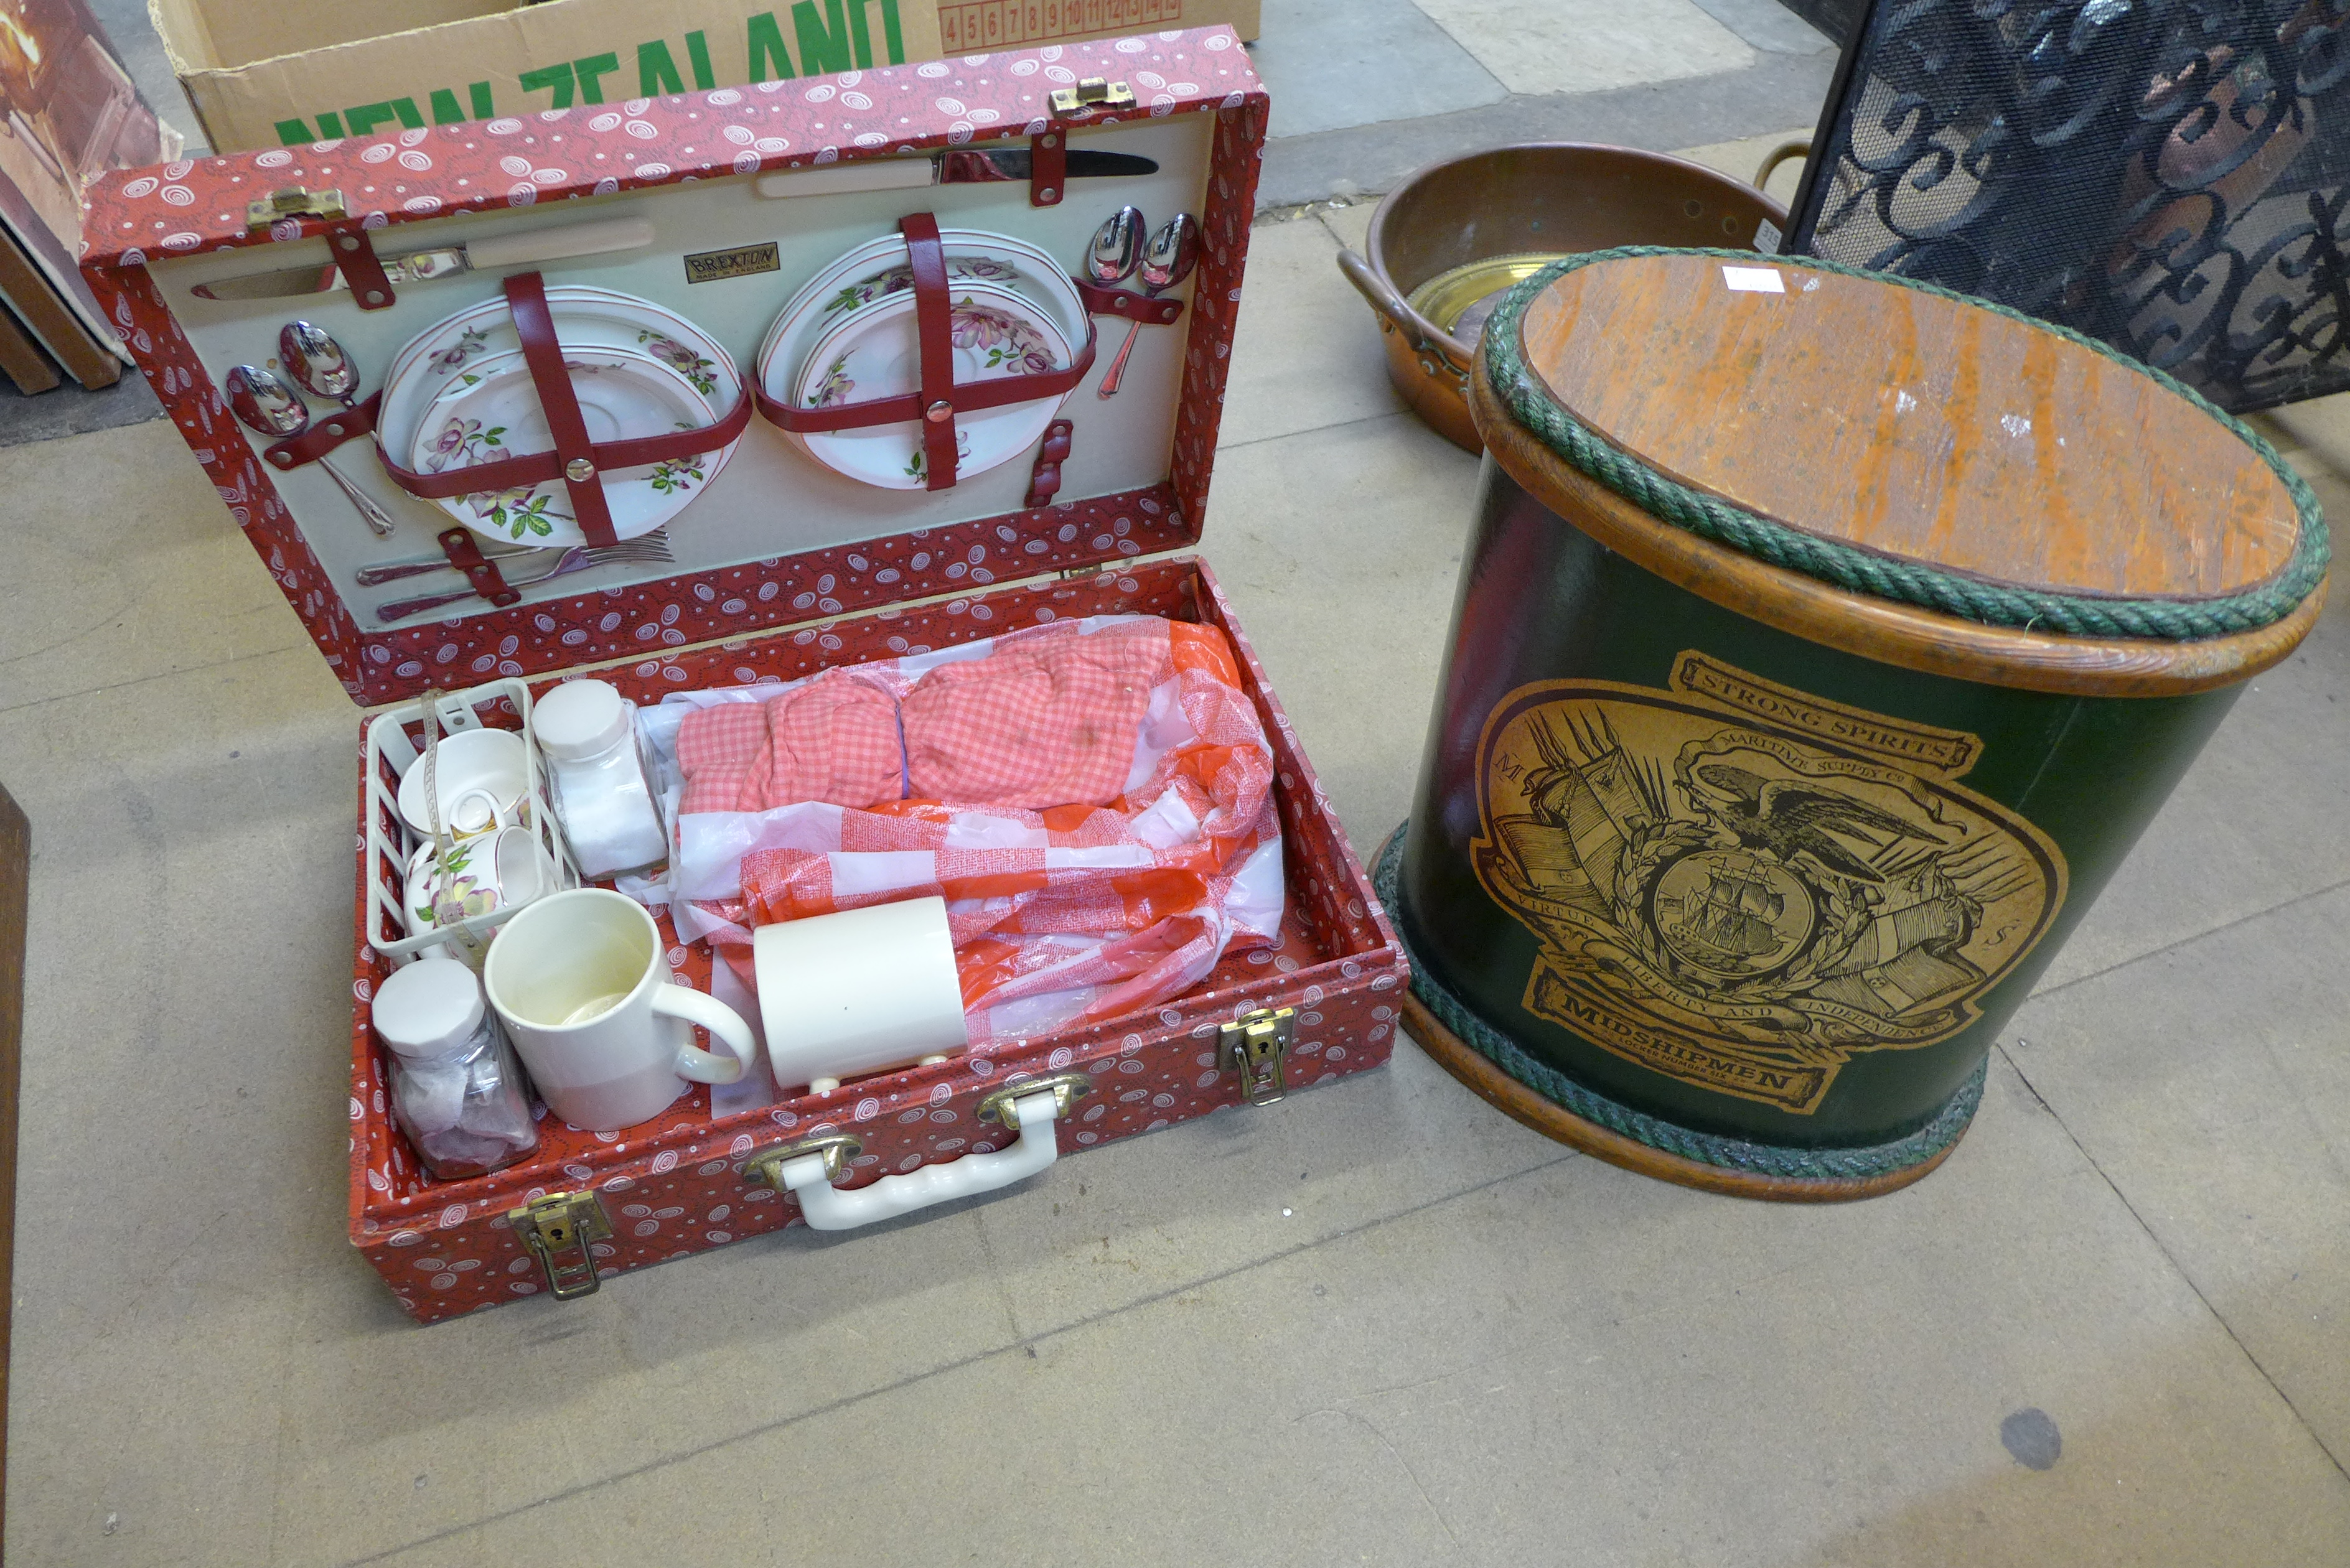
x=2176, y=1267
x=2192, y=938
x=978, y=1357
x=1532, y=103
x=158, y=675
x=1396, y=413
x=1322, y=221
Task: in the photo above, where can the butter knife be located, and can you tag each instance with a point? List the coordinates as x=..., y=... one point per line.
x=959, y=166
x=444, y=261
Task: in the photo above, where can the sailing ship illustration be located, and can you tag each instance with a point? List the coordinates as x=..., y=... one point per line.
x=1737, y=911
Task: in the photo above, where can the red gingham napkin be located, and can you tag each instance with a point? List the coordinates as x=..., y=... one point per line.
x=833, y=740
x=1046, y=719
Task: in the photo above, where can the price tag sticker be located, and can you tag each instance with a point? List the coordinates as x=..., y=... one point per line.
x=1753, y=280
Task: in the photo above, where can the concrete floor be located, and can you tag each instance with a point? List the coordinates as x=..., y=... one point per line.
x=1378, y=1323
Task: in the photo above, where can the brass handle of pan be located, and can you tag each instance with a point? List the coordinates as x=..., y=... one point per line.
x=1799, y=147
x=1385, y=301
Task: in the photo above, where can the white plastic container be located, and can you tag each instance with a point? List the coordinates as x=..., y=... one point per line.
x=587, y=732
x=457, y=1089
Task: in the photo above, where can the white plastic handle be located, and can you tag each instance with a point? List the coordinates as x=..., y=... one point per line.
x=867, y=174
x=726, y=1026
x=554, y=245
x=828, y=1208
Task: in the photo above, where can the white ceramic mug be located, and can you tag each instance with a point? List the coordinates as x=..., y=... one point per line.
x=580, y=979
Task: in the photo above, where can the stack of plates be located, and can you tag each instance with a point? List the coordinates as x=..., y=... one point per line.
x=460, y=395
x=849, y=337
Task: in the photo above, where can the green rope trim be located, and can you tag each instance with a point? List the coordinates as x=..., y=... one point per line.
x=1860, y=1163
x=1863, y=572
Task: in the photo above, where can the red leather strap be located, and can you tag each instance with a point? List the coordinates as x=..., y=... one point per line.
x=1118, y=302
x=934, y=340
x=526, y=295
x=1048, y=168
x=1045, y=479
x=970, y=397
x=973, y=396
x=466, y=556
x=537, y=468
x=516, y=472
x=325, y=436
x=354, y=252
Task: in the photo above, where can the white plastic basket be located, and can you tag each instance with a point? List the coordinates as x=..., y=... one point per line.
x=395, y=743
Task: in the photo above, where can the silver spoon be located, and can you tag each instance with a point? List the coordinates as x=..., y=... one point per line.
x=318, y=362
x=1173, y=252
x=267, y=404
x=1117, y=247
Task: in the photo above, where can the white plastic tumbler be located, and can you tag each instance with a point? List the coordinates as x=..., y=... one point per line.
x=859, y=990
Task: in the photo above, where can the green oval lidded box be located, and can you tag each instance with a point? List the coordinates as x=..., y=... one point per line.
x=1825, y=642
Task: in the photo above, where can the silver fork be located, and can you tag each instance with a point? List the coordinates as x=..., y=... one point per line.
x=375, y=576
x=577, y=558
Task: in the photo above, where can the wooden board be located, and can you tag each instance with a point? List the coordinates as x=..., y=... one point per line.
x=1924, y=427
x=22, y=358
x=32, y=297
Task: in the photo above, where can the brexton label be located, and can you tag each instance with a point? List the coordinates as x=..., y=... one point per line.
x=743, y=261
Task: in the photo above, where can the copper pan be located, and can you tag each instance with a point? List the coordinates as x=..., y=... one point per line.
x=1532, y=200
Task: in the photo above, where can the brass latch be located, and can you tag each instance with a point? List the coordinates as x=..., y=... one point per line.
x=1254, y=1045
x=1092, y=93
x=560, y=1231
x=294, y=201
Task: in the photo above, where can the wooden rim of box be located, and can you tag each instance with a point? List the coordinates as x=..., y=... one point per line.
x=1880, y=629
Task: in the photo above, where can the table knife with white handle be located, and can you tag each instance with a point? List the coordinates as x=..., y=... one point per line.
x=444, y=261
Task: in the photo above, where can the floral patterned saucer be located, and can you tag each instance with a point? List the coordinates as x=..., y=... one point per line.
x=585, y=318
x=493, y=413
x=872, y=352
x=878, y=268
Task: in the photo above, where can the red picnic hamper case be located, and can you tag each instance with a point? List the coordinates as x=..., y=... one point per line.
x=712, y=209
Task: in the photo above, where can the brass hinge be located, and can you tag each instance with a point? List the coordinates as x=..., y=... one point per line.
x=294, y=201
x=1066, y=1089
x=767, y=1165
x=557, y=1227
x=1255, y=1044
x=1092, y=93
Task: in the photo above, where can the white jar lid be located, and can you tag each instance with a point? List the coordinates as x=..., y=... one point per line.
x=429, y=1008
x=580, y=719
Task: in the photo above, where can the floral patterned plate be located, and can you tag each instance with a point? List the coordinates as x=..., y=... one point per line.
x=879, y=268
x=584, y=318
x=621, y=396
x=872, y=352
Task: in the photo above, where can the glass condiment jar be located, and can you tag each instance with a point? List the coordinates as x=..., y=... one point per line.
x=587, y=732
x=457, y=1090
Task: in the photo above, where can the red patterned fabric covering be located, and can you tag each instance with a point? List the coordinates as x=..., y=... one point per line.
x=1062, y=910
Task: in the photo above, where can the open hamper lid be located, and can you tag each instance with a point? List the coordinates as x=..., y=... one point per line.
x=739, y=198
x=1902, y=471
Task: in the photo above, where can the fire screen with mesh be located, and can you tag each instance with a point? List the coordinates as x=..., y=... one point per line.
x=2167, y=175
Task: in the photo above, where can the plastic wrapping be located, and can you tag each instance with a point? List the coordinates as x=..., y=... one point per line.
x=1061, y=911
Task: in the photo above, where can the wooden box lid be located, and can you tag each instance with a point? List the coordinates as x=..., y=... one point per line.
x=2022, y=485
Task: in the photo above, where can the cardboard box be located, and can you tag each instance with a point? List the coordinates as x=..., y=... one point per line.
x=272, y=73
